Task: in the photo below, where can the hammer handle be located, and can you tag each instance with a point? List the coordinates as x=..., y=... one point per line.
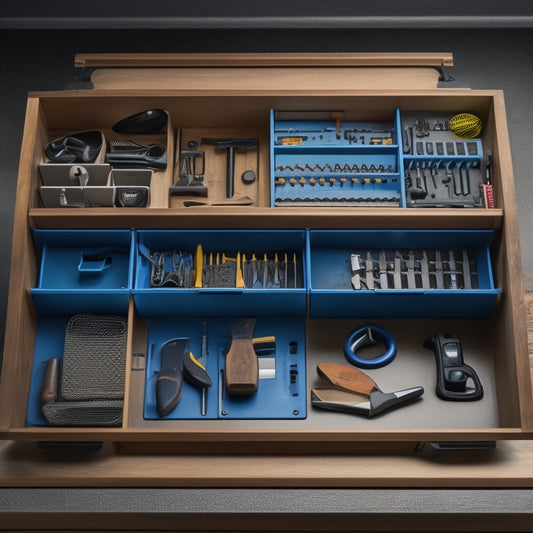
x=242, y=368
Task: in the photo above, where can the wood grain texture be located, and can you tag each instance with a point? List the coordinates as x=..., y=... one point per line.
x=336, y=59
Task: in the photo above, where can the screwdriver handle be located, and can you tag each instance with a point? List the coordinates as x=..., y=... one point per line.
x=242, y=368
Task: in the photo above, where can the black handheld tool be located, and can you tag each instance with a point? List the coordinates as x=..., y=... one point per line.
x=452, y=374
x=177, y=363
x=169, y=384
x=231, y=144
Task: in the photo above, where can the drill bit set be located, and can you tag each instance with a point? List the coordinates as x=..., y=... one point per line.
x=385, y=269
x=334, y=163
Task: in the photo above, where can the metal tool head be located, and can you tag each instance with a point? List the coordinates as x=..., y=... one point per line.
x=334, y=399
x=350, y=390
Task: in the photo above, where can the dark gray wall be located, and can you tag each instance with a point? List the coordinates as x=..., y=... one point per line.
x=213, y=14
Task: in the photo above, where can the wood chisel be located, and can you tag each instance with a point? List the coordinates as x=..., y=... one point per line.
x=242, y=369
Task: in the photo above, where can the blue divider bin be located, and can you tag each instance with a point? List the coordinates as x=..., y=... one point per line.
x=332, y=292
x=281, y=393
x=190, y=300
x=83, y=271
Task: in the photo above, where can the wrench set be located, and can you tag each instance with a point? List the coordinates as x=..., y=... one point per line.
x=438, y=183
x=440, y=169
x=446, y=269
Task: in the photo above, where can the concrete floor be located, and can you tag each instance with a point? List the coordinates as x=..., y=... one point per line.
x=35, y=60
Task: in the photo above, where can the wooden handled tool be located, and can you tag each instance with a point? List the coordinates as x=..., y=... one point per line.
x=347, y=378
x=242, y=369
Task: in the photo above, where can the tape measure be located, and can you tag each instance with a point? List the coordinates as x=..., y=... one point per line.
x=465, y=125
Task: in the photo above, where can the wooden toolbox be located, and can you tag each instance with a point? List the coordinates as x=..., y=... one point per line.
x=96, y=256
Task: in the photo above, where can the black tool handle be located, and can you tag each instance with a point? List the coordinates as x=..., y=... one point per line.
x=452, y=373
x=169, y=384
x=230, y=171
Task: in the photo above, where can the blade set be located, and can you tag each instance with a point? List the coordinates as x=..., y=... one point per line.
x=414, y=269
x=251, y=270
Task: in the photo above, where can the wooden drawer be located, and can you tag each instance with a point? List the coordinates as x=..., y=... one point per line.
x=202, y=105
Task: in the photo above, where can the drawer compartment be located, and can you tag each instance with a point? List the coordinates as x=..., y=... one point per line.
x=411, y=273
x=220, y=273
x=83, y=270
x=87, y=386
x=281, y=391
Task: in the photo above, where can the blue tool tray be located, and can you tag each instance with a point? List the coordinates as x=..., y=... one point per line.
x=255, y=300
x=318, y=162
x=279, y=396
x=83, y=271
x=332, y=294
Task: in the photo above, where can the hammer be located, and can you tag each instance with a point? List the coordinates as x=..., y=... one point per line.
x=231, y=144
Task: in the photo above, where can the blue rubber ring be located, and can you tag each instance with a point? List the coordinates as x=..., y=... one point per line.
x=379, y=334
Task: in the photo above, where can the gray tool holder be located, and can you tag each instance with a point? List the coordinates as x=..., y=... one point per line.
x=91, y=381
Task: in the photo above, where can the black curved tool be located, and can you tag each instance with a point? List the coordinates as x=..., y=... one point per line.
x=149, y=121
x=129, y=154
x=177, y=363
x=452, y=374
x=82, y=147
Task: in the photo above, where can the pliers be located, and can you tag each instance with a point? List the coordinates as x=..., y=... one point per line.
x=351, y=390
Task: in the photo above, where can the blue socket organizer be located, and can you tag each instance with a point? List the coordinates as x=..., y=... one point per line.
x=83, y=271
x=333, y=162
x=332, y=294
x=279, y=396
x=251, y=300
